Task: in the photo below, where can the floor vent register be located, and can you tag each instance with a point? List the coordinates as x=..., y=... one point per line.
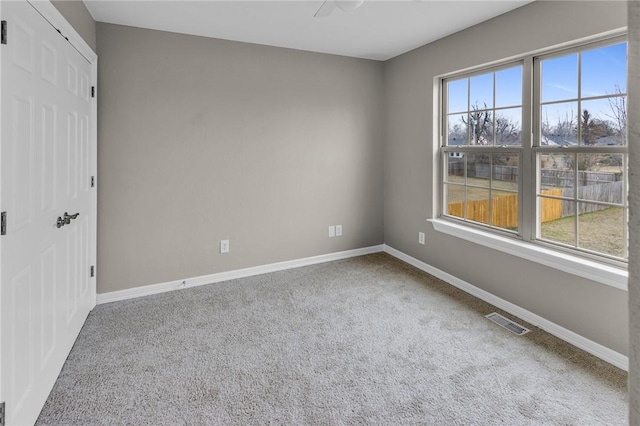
x=507, y=323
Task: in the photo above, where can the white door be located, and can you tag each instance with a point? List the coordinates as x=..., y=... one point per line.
x=45, y=170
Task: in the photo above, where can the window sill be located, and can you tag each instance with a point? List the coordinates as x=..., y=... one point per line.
x=585, y=268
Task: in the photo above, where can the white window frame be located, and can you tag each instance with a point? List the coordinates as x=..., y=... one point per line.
x=525, y=243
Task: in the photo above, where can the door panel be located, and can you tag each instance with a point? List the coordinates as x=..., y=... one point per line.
x=47, y=161
x=21, y=350
x=46, y=291
x=22, y=152
x=46, y=304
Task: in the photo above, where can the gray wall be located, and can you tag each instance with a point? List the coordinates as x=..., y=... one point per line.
x=592, y=310
x=79, y=17
x=202, y=140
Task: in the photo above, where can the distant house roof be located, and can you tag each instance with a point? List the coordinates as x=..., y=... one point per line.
x=607, y=140
x=558, y=140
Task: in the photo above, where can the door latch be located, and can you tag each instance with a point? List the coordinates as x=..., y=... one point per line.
x=66, y=220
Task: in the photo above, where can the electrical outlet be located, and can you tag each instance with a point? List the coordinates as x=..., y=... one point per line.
x=332, y=231
x=421, y=237
x=224, y=246
x=338, y=230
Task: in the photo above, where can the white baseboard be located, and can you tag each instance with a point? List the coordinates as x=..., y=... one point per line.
x=147, y=290
x=602, y=352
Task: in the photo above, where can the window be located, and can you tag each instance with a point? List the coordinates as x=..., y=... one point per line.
x=537, y=150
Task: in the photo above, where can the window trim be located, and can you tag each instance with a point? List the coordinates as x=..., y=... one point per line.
x=572, y=264
x=524, y=244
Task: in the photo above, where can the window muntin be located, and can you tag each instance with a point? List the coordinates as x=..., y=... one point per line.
x=485, y=109
x=578, y=150
x=483, y=187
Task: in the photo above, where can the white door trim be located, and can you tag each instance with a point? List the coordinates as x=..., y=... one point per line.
x=55, y=18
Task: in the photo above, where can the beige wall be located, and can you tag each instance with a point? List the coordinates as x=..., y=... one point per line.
x=592, y=310
x=79, y=17
x=202, y=140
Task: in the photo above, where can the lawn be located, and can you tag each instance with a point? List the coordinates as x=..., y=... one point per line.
x=601, y=231
x=476, y=190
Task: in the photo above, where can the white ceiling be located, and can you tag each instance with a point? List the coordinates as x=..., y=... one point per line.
x=377, y=30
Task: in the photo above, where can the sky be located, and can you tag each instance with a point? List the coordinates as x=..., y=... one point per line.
x=601, y=69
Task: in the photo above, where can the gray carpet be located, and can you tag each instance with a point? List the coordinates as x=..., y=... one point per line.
x=368, y=340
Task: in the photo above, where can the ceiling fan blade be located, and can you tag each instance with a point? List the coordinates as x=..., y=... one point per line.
x=326, y=9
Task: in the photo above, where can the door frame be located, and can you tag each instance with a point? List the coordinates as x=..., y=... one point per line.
x=50, y=13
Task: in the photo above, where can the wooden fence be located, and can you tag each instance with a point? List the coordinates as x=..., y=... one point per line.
x=550, y=208
x=504, y=211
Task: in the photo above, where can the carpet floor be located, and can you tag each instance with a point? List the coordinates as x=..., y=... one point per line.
x=367, y=340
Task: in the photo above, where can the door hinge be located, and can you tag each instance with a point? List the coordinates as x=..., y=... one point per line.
x=3, y=223
x=93, y=273
x=3, y=31
x=2, y=414
x=93, y=181
x=93, y=91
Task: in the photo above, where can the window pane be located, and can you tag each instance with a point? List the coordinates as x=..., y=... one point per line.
x=504, y=210
x=600, y=123
x=557, y=174
x=598, y=181
x=455, y=200
x=455, y=167
x=604, y=70
x=560, y=78
x=617, y=117
x=505, y=172
x=559, y=124
x=481, y=127
x=457, y=129
x=509, y=87
x=508, y=128
x=478, y=205
x=557, y=221
x=478, y=169
x=458, y=95
x=601, y=229
x=482, y=91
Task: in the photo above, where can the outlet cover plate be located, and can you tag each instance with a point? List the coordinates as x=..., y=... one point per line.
x=224, y=246
x=338, y=230
x=332, y=231
x=421, y=237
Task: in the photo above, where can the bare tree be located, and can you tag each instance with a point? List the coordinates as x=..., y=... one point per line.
x=480, y=124
x=618, y=105
x=566, y=127
x=457, y=134
x=507, y=132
